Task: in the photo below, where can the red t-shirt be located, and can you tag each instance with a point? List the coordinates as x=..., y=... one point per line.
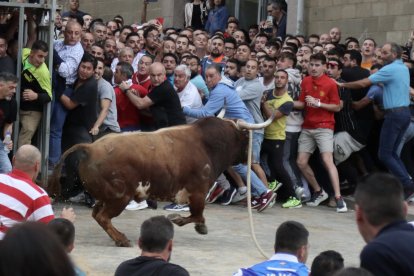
x=144, y=81
x=128, y=114
x=324, y=89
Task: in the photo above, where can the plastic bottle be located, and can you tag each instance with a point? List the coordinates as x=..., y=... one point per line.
x=6, y=141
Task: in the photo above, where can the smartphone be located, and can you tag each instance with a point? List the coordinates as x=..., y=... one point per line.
x=269, y=19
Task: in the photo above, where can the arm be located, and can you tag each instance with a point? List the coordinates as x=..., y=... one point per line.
x=140, y=103
x=31, y=32
x=67, y=102
x=105, y=104
x=361, y=103
x=268, y=111
x=355, y=84
x=298, y=105
x=214, y=104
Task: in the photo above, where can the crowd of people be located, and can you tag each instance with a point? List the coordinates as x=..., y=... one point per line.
x=342, y=108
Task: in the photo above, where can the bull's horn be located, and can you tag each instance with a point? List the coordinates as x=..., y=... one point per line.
x=243, y=124
x=222, y=112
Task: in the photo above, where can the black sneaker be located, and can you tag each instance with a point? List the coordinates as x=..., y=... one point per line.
x=227, y=196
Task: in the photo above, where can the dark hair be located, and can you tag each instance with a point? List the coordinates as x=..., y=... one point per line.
x=30, y=248
x=353, y=271
x=89, y=58
x=337, y=60
x=290, y=237
x=64, y=230
x=126, y=69
x=235, y=61
x=351, y=39
x=284, y=71
x=327, y=263
x=218, y=37
x=184, y=36
x=148, y=30
x=6, y=77
x=318, y=56
x=40, y=45
x=355, y=55
x=96, y=23
x=380, y=196
x=231, y=40
x=294, y=47
x=217, y=67
x=194, y=57
x=396, y=49
x=373, y=40
x=289, y=56
x=78, y=19
x=376, y=66
x=126, y=27
x=313, y=36
x=170, y=55
x=269, y=58
x=131, y=34
x=148, y=56
x=155, y=234
x=273, y=42
x=108, y=74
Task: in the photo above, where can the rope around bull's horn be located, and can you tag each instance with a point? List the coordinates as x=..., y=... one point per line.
x=249, y=197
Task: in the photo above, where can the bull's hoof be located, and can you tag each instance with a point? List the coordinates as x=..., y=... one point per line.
x=123, y=243
x=176, y=218
x=201, y=228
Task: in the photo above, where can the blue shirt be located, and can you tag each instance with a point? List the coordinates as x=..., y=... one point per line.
x=217, y=19
x=280, y=264
x=221, y=96
x=396, y=80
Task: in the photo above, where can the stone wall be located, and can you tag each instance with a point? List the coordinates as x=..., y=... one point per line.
x=131, y=10
x=383, y=20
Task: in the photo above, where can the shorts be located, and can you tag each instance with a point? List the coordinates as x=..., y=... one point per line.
x=344, y=146
x=322, y=138
x=256, y=147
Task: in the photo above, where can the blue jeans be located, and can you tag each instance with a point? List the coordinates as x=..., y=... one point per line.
x=258, y=188
x=393, y=129
x=5, y=164
x=256, y=147
x=57, y=121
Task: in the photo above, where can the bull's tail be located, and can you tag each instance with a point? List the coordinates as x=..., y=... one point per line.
x=54, y=187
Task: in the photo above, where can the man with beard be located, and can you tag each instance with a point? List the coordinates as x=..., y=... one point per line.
x=193, y=62
x=216, y=55
x=152, y=41
x=109, y=51
x=396, y=82
x=232, y=70
x=134, y=42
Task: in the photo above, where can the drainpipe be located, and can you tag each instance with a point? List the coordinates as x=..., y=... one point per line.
x=299, y=18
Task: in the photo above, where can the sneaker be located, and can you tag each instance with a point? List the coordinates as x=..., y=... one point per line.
x=79, y=198
x=133, y=205
x=274, y=185
x=228, y=195
x=177, y=207
x=211, y=189
x=266, y=199
x=317, y=198
x=255, y=202
x=89, y=200
x=240, y=195
x=341, y=205
x=299, y=191
x=292, y=203
x=215, y=194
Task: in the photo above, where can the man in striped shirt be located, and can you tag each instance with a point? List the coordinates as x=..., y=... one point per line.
x=20, y=198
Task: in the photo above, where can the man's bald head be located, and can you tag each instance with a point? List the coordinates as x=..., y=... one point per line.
x=26, y=158
x=73, y=32
x=157, y=73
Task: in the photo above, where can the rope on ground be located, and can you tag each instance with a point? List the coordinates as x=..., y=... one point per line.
x=249, y=197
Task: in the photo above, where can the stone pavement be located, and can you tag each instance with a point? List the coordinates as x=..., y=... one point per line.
x=228, y=244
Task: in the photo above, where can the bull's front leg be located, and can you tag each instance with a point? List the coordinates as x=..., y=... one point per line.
x=103, y=215
x=196, y=203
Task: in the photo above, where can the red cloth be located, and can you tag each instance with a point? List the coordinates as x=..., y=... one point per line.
x=143, y=80
x=128, y=114
x=22, y=200
x=324, y=89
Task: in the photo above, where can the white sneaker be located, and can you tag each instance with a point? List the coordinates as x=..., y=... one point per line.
x=79, y=198
x=240, y=195
x=133, y=205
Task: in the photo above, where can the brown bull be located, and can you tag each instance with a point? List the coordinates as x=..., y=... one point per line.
x=173, y=164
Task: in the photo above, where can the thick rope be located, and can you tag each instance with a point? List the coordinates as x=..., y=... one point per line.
x=249, y=197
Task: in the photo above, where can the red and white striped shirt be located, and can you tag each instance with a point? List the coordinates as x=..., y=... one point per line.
x=22, y=200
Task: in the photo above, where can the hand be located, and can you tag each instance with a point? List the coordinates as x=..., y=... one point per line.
x=264, y=98
x=10, y=145
x=94, y=131
x=29, y=95
x=69, y=214
x=340, y=84
x=311, y=101
x=124, y=86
